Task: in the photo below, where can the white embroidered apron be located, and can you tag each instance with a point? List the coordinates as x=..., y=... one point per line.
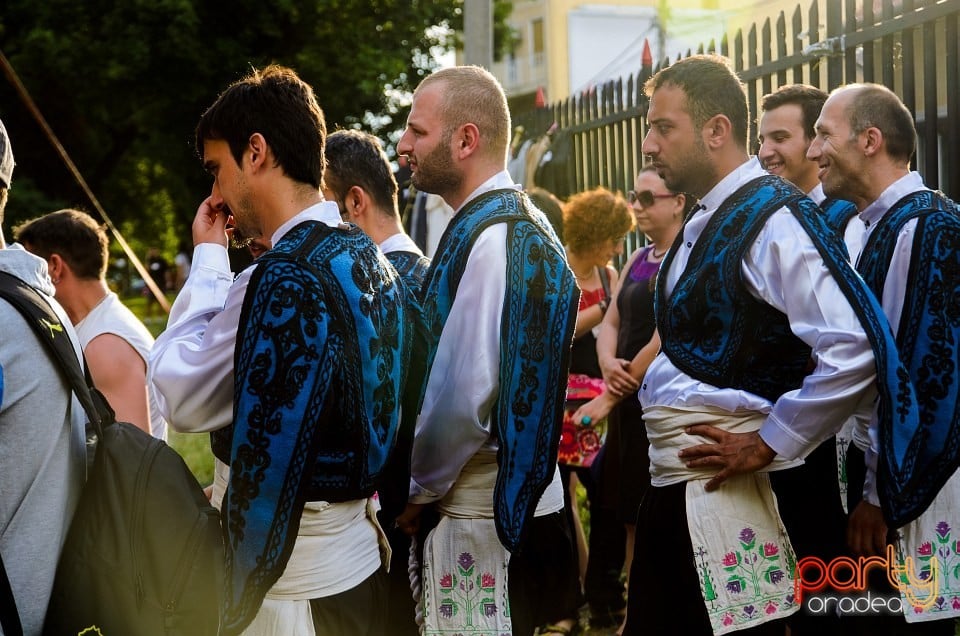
x=465, y=565
x=932, y=541
x=742, y=554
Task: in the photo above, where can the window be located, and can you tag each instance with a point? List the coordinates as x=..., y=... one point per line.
x=536, y=28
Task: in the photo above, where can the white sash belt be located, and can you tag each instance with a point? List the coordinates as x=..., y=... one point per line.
x=665, y=430
x=471, y=496
x=741, y=552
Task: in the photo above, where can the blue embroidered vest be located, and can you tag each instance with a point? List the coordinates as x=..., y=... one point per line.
x=916, y=461
x=411, y=266
x=395, y=487
x=837, y=213
x=712, y=329
x=319, y=366
x=539, y=313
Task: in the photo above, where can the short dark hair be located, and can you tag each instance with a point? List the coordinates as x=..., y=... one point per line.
x=876, y=106
x=810, y=99
x=711, y=87
x=279, y=105
x=74, y=235
x=357, y=158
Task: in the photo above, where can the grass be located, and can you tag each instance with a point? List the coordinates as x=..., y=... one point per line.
x=193, y=447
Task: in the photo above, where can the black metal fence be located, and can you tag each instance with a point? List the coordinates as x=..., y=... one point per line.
x=910, y=46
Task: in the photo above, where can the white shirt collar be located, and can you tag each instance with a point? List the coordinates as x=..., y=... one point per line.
x=817, y=194
x=399, y=242
x=747, y=171
x=900, y=188
x=500, y=180
x=326, y=211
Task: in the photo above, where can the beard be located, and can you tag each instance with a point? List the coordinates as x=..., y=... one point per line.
x=693, y=172
x=245, y=221
x=436, y=172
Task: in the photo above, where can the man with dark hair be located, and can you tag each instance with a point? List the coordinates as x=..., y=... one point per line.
x=296, y=368
x=42, y=440
x=500, y=305
x=766, y=337
x=359, y=178
x=811, y=497
x=910, y=486
x=114, y=341
x=786, y=130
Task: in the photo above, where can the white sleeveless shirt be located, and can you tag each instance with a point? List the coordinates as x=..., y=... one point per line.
x=112, y=316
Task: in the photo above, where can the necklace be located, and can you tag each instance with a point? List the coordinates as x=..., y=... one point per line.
x=656, y=256
x=588, y=276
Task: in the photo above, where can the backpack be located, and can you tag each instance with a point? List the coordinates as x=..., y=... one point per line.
x=144, y=553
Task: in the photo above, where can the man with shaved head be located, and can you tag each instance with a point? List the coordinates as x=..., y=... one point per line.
x=910, y=487
x=500, y=305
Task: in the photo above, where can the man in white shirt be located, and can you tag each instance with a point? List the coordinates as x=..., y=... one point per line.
x=766, y=349
x=500, y=305
x=359, y=178
x=865, y=139
x=786, y=132
x=304, y=422
x=115, y=342
x=811, y=497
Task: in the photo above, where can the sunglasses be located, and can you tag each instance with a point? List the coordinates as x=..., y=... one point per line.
x=645, y=198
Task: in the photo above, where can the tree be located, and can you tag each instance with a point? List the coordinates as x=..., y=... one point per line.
x=123, y=83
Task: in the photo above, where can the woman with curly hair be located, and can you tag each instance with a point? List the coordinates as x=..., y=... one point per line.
x=595, y=224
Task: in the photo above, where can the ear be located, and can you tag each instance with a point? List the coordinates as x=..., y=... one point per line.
x=356, y=202
x=258, y=148
x=679, y=201
x=467, y=141
x=871, y=140
x=56, y=267
x=717, y=131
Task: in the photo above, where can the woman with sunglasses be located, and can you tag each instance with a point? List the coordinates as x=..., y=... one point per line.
x=626, y=345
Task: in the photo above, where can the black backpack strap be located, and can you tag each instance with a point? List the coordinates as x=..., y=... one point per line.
x=9, y=616
x=46, y=324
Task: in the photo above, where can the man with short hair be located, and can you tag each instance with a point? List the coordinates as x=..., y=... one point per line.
x=865, y=140
x=812, y=496
x=114, y=341
x=359, y=178
x=786, y=131
x=500, y=305
x=766, y=337
x=296, y=368
x=42, y=436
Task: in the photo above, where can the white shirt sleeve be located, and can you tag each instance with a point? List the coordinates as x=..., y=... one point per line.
x=191, y=363
x=785, y=269
x=454, y=421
